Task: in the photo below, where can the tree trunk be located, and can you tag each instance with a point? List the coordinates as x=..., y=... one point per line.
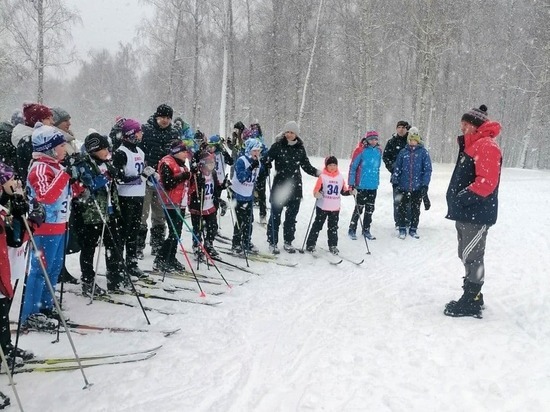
x=310, y=65
x=195, y=118
x=41, y=64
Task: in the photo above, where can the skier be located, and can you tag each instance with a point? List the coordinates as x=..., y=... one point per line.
x=204, y=195
x=472, y=201
x=247, y=170
x=260, y=190
x=174, y=179
x=222, y=157
x=48, y=184
x=13, y=241
x=364, y=175
x=104, y=196
x=289, y=155
x=328, y=188
x=411, y=176
x=129, y=162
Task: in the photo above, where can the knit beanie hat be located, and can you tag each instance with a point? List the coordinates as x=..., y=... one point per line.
x=6, y=173
x=370, y=135
x=403, y=123
x=129, y=128
x=45, y=138
x=476, y=116
x=59, y=115
x=164, y=111
x=414, y=135
x=293, y=127
x=331, y=160
x=177, y=146
x=35, y=112
x=94, y=142
x=252, y=144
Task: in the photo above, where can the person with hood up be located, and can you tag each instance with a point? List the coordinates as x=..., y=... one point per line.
x=472, y=201
x=411, y=176
x=364, y=175
x=289, y=155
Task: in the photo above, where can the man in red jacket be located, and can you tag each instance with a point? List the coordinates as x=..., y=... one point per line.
x=472, y=200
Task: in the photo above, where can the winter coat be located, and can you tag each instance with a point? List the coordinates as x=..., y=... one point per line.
x=106, y=196
x=6, y=288
x=155, y=141
x=364, y=170
x=472, y=195
x=7, y=149
x=174, y=177
x=21, y=139
x=392, y=149
x=288, y=161
x=413, y=169
x=196, y=194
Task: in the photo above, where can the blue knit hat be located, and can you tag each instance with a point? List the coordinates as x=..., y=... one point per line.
x=45, y=138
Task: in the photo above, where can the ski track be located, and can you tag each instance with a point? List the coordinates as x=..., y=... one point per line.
x=334, y=338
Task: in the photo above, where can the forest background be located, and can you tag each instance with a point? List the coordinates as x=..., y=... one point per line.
x=338, y=67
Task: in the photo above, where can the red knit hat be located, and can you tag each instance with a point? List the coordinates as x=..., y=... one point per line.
x=35, y=112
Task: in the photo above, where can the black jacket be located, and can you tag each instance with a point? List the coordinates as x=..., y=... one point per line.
x=392, y=149
x=155, y=141
x=7, y=149
x=288, y=161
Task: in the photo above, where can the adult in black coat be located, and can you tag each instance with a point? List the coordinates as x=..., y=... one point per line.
x=289, y=155
x=397, y=142
x=158, y=133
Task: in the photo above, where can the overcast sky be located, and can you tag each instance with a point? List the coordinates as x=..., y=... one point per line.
x=105, y=23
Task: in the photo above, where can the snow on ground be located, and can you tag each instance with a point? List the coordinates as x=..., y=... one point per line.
x=324, y=338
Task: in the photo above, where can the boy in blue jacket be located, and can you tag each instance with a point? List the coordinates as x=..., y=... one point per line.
x=411, y=175
x=364, y=176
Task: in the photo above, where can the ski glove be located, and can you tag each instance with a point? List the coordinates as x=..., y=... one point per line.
x=148, y=171
x=37, y=214
x=19, y=205
x=254, y=164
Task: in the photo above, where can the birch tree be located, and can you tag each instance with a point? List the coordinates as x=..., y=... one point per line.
x=41, y=30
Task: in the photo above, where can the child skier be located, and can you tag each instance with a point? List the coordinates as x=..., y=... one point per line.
x=174, y=181
x=328, y=188
x=13, y=241
x=129, y=162
x=222, y=158
x=48, y=184
x=204, y=195
x=103, y=204
x=364, y=175
x=411, y=175
x=247, y=170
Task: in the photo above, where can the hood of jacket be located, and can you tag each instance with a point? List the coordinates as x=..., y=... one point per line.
x=19, y=132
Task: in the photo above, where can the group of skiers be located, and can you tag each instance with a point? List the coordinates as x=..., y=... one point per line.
x=165, y=169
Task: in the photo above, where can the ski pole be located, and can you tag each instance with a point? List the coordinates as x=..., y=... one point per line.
x=177, y=235
x=308, y=227
x=19, y=321
x=361, y=222
x=117, y=250
x=97, y=263
x=10, y=377
x=41, y=260
x=190, y=229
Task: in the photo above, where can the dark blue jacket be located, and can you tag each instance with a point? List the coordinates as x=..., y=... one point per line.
x=412, y=169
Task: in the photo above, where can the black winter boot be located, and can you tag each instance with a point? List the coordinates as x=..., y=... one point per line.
x=157, y=239
x=142, y=235
x=469, y=304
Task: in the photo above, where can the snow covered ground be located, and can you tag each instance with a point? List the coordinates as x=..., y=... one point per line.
x=335, y=338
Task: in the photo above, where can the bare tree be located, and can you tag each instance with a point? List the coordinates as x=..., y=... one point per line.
x=40, y=29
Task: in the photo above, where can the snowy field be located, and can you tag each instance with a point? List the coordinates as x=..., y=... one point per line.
x=334, y=338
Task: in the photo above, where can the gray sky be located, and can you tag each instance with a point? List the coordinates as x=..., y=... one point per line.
x=105, y=23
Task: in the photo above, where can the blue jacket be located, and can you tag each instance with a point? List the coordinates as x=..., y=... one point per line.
x=413, y=169
x=364, y=170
